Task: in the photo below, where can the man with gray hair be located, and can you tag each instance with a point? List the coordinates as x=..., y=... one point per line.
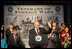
x=37, y=31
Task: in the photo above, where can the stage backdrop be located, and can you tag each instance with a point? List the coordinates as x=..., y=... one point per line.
x=25, y=15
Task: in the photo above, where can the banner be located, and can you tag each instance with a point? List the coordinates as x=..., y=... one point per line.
x=25, y=15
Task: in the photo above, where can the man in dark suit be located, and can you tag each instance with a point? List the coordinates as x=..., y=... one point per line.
x=37, y=30
x=15, y=40
x=9, y=31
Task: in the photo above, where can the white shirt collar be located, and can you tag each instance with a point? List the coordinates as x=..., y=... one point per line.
x=36, y=30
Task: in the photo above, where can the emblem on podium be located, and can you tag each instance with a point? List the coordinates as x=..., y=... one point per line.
x=38, y=38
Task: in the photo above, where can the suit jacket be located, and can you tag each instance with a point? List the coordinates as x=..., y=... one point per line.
x=41, y=31
x=17, y=44
x=8, y=33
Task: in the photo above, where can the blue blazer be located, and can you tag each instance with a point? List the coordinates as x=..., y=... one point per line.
x=3, y=43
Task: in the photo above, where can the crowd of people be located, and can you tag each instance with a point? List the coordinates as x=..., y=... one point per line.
x=60, y=37
x=63, y=34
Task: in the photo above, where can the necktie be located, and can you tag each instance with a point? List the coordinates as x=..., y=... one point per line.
x=15, y=38
x=37, y=31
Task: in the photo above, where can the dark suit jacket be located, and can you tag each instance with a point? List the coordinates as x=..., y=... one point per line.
x=18, y=44
x=42, y=31
x=8, y=33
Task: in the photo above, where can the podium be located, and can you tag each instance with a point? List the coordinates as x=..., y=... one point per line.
x=38, y=40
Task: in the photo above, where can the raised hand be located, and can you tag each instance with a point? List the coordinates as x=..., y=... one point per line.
x=49, y=24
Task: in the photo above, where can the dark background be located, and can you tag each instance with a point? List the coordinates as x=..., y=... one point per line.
x=66, y=4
